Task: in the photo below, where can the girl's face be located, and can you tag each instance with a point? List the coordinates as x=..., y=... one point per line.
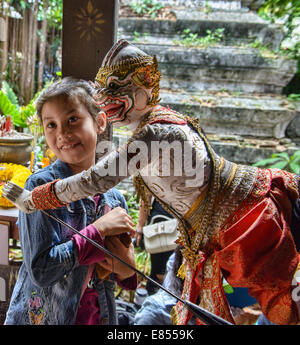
x=71, y=132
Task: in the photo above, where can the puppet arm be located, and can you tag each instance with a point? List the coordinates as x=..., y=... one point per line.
x=107, y=173
x=126, y=161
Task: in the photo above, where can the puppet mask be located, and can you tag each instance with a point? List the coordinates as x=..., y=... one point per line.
x=127, y=84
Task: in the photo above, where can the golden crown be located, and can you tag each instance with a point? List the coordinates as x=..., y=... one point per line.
x=146, y=73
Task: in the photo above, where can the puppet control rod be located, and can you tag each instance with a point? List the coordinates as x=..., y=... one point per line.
x=204, y=315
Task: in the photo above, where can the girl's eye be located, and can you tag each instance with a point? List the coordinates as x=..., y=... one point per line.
x=51, y=125
x=73, y=119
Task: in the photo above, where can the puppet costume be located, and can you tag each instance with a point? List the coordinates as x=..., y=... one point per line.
x=234, y=220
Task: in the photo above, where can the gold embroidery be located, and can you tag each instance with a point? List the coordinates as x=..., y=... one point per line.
x=181, y=272
x=195, y=205
x=234, y=168
x=122, y=68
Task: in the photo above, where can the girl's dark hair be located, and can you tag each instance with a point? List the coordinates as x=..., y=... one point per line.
x=72, y=89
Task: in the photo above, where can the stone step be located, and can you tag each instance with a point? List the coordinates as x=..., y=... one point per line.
x=226, y=113
x=217, y=68
x=247, y=151
x=239, y=27
x=145, y=38
x=211, y=5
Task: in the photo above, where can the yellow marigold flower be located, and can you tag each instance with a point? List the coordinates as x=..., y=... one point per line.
x=15, y=173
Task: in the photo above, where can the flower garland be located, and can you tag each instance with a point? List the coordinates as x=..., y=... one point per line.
x=15, y=173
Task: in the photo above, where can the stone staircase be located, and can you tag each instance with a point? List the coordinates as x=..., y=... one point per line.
x=234, y=87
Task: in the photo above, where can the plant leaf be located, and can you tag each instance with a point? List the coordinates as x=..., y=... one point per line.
x=10, y=94
x=296, y=155
x=295, y=167
x=7, y=107
x=282, y=155
x=280, y=165
x=267, y=161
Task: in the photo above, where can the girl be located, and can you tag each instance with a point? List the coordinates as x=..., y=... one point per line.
x=57, y=282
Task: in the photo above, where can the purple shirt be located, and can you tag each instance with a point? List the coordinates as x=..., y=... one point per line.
x=89, y=312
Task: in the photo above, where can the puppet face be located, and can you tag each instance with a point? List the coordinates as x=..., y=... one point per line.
x=123, y=100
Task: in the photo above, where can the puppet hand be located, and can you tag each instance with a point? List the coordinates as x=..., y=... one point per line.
x=40, y=198
x=22, y=198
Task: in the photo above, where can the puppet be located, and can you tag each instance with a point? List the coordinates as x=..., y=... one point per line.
x=234, y=220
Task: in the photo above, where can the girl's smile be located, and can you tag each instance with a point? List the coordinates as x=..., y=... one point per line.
x=69, y=147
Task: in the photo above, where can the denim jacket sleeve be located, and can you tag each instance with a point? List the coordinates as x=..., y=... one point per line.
x=46, y=257
x=117, y=195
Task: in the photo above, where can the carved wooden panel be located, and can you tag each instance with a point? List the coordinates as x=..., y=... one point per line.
x=89, y=31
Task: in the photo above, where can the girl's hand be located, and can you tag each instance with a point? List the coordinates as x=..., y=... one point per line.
x=115, y=245
x=115, y=222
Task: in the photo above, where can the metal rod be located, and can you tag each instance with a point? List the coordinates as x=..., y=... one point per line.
x=204, y=315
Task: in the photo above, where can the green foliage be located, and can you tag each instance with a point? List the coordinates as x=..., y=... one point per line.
x=265, y=51
x=280, y=8
x=9, y=105
x=142, y=260
x=227, y=287
x=54, y=11
x=10, y=93
x=294, y=97
x=133, y=208
x=282, y=161
x=138, y=37
x=287, y=13
x=190, y=39
x=146, y=7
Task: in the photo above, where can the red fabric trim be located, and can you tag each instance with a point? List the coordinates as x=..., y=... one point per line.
x=44, y=197
x=166, y=115
x=169, y=120
x=258, y=251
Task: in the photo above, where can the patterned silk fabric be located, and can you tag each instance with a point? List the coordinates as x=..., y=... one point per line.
x=238, y=227
x=248, y=241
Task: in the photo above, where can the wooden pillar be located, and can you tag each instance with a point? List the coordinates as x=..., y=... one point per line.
x=89, y=31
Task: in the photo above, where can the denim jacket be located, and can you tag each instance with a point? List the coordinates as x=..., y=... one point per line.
x=50, y=280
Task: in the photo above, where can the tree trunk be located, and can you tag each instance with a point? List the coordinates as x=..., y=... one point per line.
x=25, y=40
x=29, y=52
x=33, y=49
x=1, y=43
x=13, y=50
x=42, y=51
x=28, y=56
x=4, y=50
